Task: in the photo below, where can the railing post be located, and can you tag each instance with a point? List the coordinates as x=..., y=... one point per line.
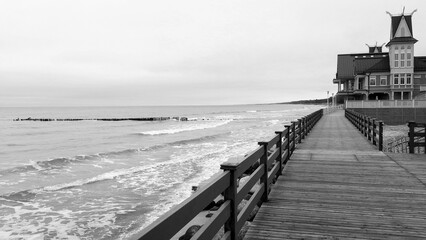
x=411, y=125
x=380, y=135
x=374, y=131
x=303, y=127
x=287, y=136
x=280, y=158
x=231, y=195
x=424, y=139
x=369, y=129
x=293, y=131
x=264, y=177
x=365, y=126
x=299, y=123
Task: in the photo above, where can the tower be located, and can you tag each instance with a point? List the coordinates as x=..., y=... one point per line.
x=401, y=56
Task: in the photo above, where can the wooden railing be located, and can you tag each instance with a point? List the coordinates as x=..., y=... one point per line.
x=266, y=163
x=370, y=127
x=417, y=137
x=399, y=145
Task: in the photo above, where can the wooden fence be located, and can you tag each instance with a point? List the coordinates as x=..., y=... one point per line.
x=399, y=145
x=370, y=127
x=417, y=137
x=266, y=162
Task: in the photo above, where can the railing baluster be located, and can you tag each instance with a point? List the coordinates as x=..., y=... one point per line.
x=231, y=195
x=280, y=157
x=411, y=125
x=264, y=177
x=287, y=136
x=380, y=135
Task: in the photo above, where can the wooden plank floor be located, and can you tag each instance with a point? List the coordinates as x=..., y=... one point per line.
x=338, y=186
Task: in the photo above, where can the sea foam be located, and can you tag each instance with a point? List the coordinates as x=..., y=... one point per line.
x=184, y=128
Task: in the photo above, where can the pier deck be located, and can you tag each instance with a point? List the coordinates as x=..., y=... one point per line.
x=338, y=186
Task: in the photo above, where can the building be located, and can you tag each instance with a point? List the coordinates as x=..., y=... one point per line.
x=377, y=75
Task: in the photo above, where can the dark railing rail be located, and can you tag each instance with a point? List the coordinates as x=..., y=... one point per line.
x=370, y=127
x=417, y=137
x=266, y=162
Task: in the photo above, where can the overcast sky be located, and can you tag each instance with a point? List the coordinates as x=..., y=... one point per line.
x=132, y=53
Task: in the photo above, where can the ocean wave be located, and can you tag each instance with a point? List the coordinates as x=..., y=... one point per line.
x=184, y=128
x=58, y=163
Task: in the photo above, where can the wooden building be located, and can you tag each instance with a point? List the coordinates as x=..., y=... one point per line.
x=377, y=75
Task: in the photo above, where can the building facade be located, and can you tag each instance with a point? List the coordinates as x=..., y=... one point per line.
x=377, y=75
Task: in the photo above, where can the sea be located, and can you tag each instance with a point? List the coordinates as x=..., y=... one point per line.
x=109, y=179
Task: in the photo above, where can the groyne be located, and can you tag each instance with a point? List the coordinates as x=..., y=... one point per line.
x=103, y=119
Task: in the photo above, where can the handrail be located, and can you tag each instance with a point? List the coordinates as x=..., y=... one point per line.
x=417, y=139
x=370, y=127
x=266, y=164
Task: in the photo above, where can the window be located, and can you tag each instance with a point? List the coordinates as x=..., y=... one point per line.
x=402, y=79
x=396, y=47
x=395, y=79
x=402, y=59
x=402, y=31
x=408, y=78
x=372, y=80
x=409, y=47
x=396, y=59
x=408, y=59
x=383, y=80
x=402, y=47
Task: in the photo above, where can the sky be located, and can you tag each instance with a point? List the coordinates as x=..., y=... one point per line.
x=168, y=52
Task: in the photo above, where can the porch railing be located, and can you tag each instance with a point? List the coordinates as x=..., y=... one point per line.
x=386, y=104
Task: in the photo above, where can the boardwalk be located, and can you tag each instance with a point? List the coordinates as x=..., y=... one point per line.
x=338, y=186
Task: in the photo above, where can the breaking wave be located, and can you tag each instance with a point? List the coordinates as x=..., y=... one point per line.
x=185, y=128
x=57, y=163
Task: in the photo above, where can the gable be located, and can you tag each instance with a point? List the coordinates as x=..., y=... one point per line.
x=403, y=30
x=396, y=20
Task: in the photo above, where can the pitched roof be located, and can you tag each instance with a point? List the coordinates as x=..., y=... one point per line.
x=395, y=23
x=370, y=65
x=346, y=68
x=419, y=64
x=401, y=40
